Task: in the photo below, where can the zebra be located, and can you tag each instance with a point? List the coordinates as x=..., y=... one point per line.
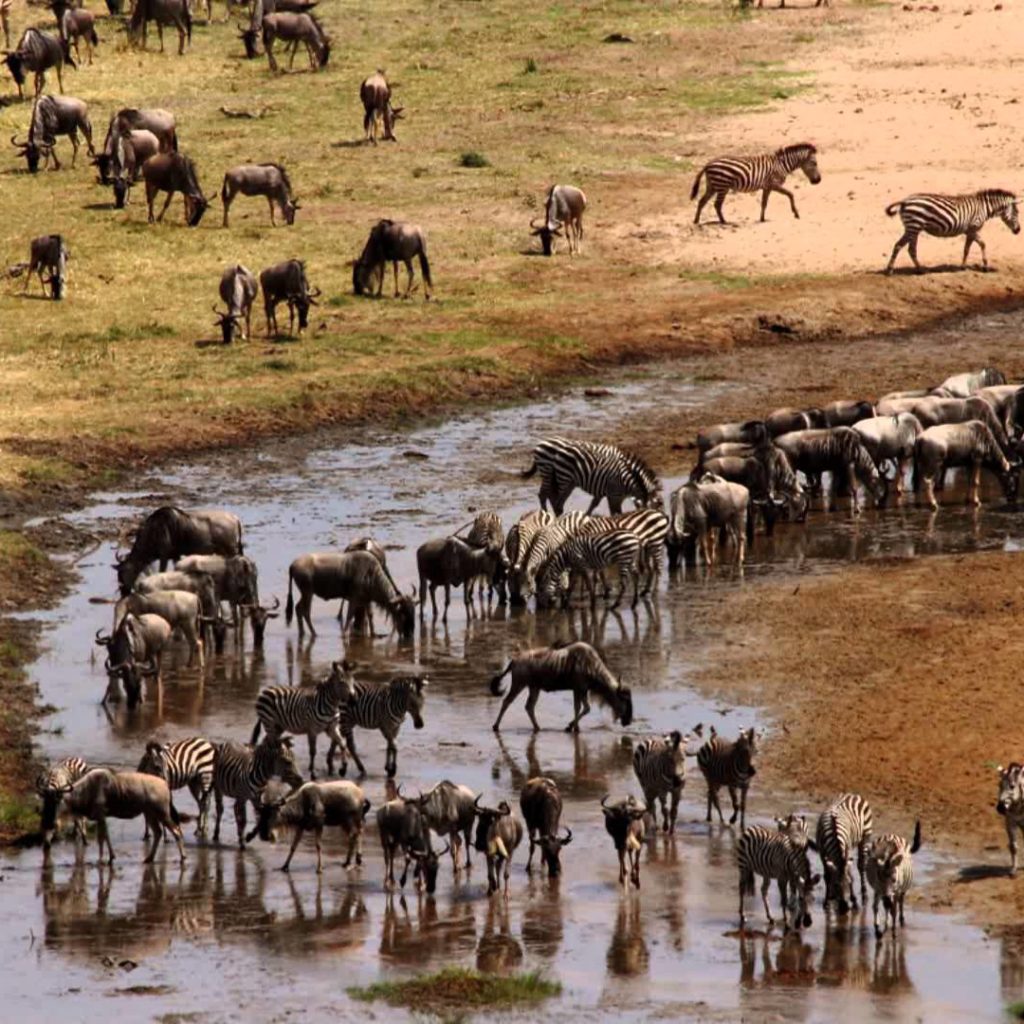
x=779, y=854
x=948, y=216
x=543, y=545
x=487, y=532
x=587, y=555
x=602, y=470
x=184, y=763
x=51, y=785
x=890, y=874
x=844, y=825
x=728, y=764
x=281, y=709
x=764, y=173
x=380, y=706
x=1010, y=804
x=242, y=772
x=651, y=526
x=659, y=764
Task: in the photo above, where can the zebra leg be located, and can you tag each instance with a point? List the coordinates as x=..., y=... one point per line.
x=219, y=802
x=735, y=806
x=879, y=932
x=984, y=257
x=296, y=839
x=391, y=758
x=240, y=821
x=765, y=192
x=904, y=239
x=713, y=798
x=903, y=920
x=350, y=745
x=719, y=200
x=765, y=886
x=789, y=196
x=1011, y=835
x=701, y=203
x=782, y=898
x=861, y=858
x=913, y=253
x=195, y=787
x=311, y=739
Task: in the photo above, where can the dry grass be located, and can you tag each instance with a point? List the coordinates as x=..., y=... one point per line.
x=530, y=85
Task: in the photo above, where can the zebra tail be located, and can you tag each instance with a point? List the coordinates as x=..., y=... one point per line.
x=289, y=608
x=496, y=689
x=747, y=883
x=893, y=209
x=696, y=183
x=256, y=732
x=527, y=473
x=916, y=845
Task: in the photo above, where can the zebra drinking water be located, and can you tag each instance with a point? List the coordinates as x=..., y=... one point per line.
x=779, y=854
x=764, y=173
x=51, y=785
x=845, y=825
x=590, y=555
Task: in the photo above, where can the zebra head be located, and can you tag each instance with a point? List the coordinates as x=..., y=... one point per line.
x=415, y=697
x=1010, y=217
x=1011, y=790
x=801, y=890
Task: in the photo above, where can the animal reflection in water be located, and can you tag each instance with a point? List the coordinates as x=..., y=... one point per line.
x=431, y=937
x=498, y=950
x=628, y=955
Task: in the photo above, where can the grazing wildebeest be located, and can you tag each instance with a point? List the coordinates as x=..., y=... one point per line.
x=199, y=583
x=287, y=282
x=765, y=471
x=576, y=667
x=563, y=208
x=891, y=439
x=402, y=827
x=169, y=533
x=38, y=52
x=375, y=92
x=698, y=511
x=170, y=173
x=970, y=445
x=53, y=116
x=785, y=421
x=389, y=242
x=78, y=24
x=160, y=122
x=236, y=579
x=134, y=650
x=270, y=180
x=838, y=451
x=1007, y=401
x=295, y=29
x=357, y=577
x=963, y=385
x=181, y=608
x=123, y=165
x=748, y=432
x=238, y=288
x=258, y=10
x=163, y=12
x=49, y=254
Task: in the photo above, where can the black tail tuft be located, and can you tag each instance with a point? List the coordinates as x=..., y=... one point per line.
x=496, y=689
x=527, y=473
x=696, y=183
x=916, y=845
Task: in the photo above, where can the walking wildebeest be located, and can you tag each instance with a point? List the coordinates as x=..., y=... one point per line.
x=563, y=208
x=238, y=289
x=124, y=164
x=270, y=180
x=163, y=12
x=49, y=253
x=37, y=52
x=53, y=116
x=296, y=29
x=78, y=24
x=389, y=242
x=699, y=511
x=170, y=173
x=375, y=92
x=287, y=282
x=963, y=385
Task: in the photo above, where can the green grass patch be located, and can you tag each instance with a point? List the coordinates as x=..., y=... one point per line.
x=15, y=552
x=18, y=814
x=473, y=159
x=457, y=989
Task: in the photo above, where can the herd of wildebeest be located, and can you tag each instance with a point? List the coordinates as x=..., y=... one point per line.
x=770, y=468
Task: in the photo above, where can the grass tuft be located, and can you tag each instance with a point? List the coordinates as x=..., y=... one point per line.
x=531, y=66
x=473, y=159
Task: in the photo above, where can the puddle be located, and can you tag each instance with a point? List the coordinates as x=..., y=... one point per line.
x=230, y=936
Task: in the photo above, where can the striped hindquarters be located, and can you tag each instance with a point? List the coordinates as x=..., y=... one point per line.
x=234, y=771
x=602, y=470
x=740, y=174
x=765, y=852
x=619, y=548
x=182, y=763
x=284, y=709
x=486, y=531
x=725, y=763
x=843, y=826
x=941, y=215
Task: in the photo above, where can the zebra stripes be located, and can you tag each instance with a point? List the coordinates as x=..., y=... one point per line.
x=1010, y=804
x=545, y=542
x=948, y=216
x=186, y=762
x=845, y=825
x=281, y=709
x=891, y=873
x=765, y=173
x=781, y=855
x=659, y=764
x=587, y=555
x=728, y=764
x=602, y=470
x=51, y=785
x=650, y=525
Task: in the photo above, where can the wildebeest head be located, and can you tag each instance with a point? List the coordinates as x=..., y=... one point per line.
x=128, y=571
x=1011, y=789
x=228, y=324
x=619, y=816
x=16, y=65
x=551, y=850
x=195, y=207
x=546, y=231
x=290, y=208
x=103, y=162
x=32, y=151
x=624, y=711
x=258, y=616
x=486, y=818
x=250, y=40
x=302, y=301
x=402, y=611
x=363, y=274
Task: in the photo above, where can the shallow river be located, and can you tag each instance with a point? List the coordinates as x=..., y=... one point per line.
x=229, y=935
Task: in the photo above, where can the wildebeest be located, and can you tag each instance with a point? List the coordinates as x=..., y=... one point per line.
x=76, y=24
x=163, y=12
x=269, y=180
x=160, y=122
x=846, y=413
x=357, y=577
x=970, y=445
x=563, y=209
x=450, y=810
x=181, y=608
x=375, y=93
x=53, y=116
x=784, y=421
x=295, y=29
x=891, y=439
x=134, y=650
x=38, y=52
x=963, y=385
x=169, y=533
x=123, y=165
x=402, y=827
x=748, y=432
x=389, y=242
x=624, y=822
x=170, y=173
x=451, y=562
x=498, y=833
x=1007, y=401
x=933, y=411
x=698, y=511
x=238, y=288
x=576, y=667
x=541, y=804
x=199, y=583
x=287, y=282
x=48, y=254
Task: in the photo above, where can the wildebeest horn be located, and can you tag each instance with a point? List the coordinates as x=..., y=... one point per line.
x=447, y=847
x=100, y=640
x=604, y=799
x=476, y=802
x=16, y=144
x=568, y=835
x=277, y=603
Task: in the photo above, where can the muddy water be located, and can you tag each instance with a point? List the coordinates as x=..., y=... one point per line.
x=229, y=934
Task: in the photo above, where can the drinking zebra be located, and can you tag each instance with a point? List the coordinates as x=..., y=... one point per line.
x=543, y=545
x=948, y=216
x=1010, y=804
x=309, y=712
x=242, y=773
x=843, y=826
x=890, y=874
x=651, y=526
x=764, y=173
x=779, y=854
x=659, y=764
x=380, y=706
x=602, y=470
x=51, y=785
x=728, y=764
x=184, y=763
x=588, y=555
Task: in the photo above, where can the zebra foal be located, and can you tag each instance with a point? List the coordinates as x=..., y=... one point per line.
x=1010, y=804
x=650, y=525
x=729, y=764
x=844, y=826
x=764, y=173
x=949, y=216
x=779, y=854
x=184, y=763
x=890, y=874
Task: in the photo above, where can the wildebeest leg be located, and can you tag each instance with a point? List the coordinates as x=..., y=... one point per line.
x=851, y=482
x=303, y=607
x=447, y=601
x=270, y=203
x=514, y=690
x=218, y=800
x=975, y=486
x=394, y=269
x=170, y=196
x=270, y=54
x=531, y=703
x=296, y=839
x=408, y=283
x=181, y=39
x=929, y=492
x=294, y=50
x=1011, y=835
x=160, y=34
x=103, y=836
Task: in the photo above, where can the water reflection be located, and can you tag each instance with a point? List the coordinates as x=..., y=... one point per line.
x=628, y=956
x=498, y=950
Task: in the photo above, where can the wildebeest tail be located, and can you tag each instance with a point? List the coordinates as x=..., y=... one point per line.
x=289, y=608
x=425, y=269
x=93, y=38
x=893, y=209
x=174, y=140
x=696, y=183
x=496, y=689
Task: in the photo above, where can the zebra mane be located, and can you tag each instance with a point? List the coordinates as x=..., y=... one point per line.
x=997, y=198
x=800, y=150
x=641, y=472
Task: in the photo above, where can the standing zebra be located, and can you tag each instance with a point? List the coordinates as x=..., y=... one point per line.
x=380, y=706
x=779, y=854
x=184, y=763
x=843, y=826
x=51, y=785
x=281, y=709
x=1010, y=804
x=242, y=772
x=764, y=173
x=602, y=470
x=589, y=555
x=891, y=873
x=948, y=216
x=659, y=764
x=728, y=764
x=651, y=526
